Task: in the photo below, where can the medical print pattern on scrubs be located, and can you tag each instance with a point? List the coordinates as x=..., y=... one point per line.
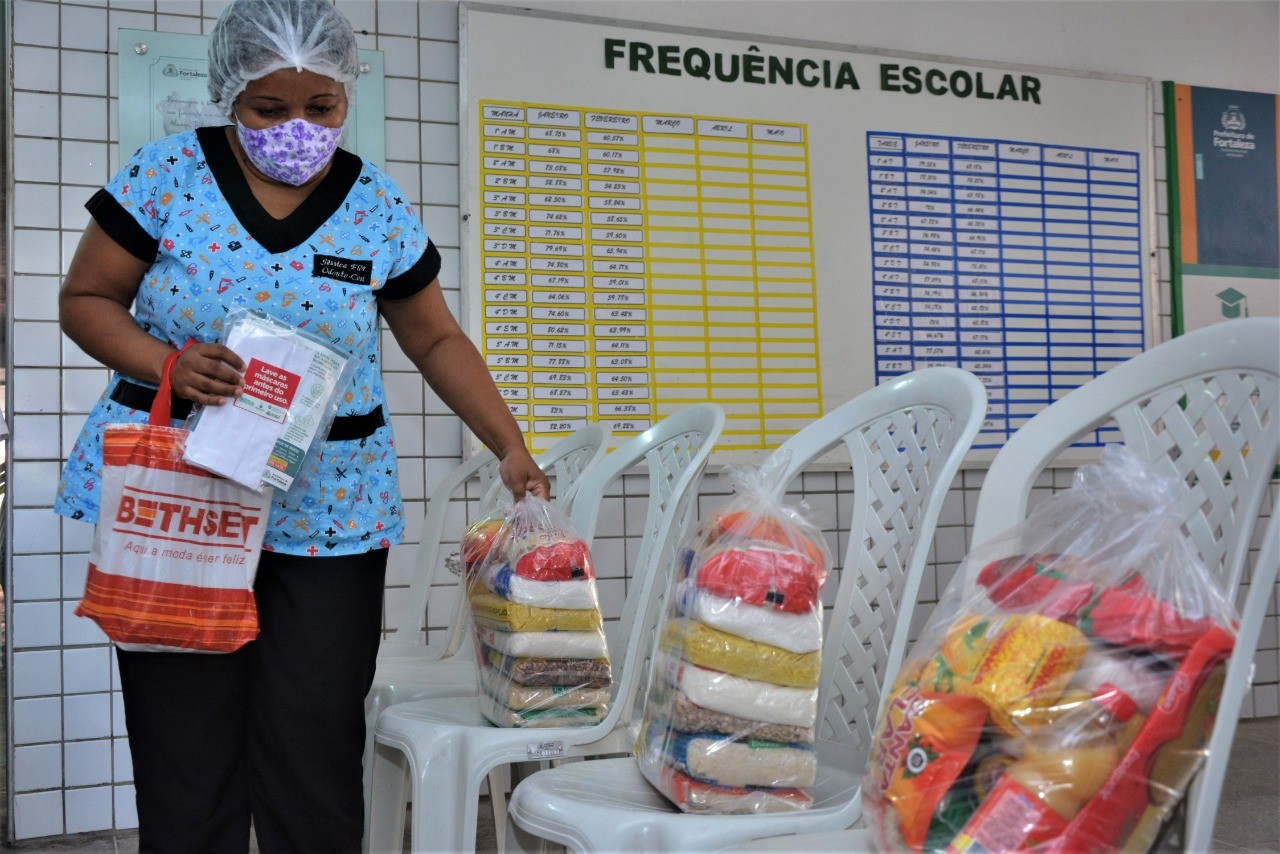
x=184, y=202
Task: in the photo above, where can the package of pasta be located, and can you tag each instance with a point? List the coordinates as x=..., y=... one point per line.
x=1061, y=695
x=540, y=647
x=732, y=704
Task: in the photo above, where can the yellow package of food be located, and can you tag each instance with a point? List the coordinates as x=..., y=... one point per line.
x=493, y=612
x=711, y=648
x=1016, y=664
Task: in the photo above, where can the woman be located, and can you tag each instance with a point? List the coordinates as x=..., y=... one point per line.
x=268, y=213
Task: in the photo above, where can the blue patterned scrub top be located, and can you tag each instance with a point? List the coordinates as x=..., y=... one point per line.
x=182, y=203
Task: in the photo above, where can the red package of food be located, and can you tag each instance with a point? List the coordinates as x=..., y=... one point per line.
x=752, y=525
x=784, y=580
x=1043, y=583
x=481, y=537
x=694, y=795
x=561, y=560
x=1131, y=615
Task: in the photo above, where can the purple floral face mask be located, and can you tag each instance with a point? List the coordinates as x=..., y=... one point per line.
x=293, y=152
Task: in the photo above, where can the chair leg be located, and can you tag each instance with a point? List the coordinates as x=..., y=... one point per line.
x=384, y=832
x=444, y=814
x=371, y=717
x=498, y=778
x=516, y=772
x=520, y=841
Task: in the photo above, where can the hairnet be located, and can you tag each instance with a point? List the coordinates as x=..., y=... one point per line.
x=253, y=38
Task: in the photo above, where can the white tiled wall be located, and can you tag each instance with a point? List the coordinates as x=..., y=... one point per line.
x=69, y=761
x=70, y=766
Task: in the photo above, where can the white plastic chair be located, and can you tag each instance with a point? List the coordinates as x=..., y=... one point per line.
x=905, y=440
x=410, y=669
x=1202, y=407
x=446, y=748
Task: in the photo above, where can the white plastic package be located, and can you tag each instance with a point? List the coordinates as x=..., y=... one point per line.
x=291, y=384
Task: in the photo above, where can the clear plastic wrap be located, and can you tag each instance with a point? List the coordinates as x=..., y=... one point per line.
x=292, y=381
x=1060, y=697
x=540, y=646
x=729, y=719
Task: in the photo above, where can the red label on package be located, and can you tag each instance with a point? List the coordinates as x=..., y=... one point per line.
x=268, y=390
x=1010, y=819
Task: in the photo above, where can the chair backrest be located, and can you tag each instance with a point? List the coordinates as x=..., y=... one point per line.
x=1204, y=408
x=1253, y=610
x=406, y=621
x=566, y=461
x=906, y=440
x=674, y=453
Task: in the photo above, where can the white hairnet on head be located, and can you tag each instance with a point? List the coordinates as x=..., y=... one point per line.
x=253, y=38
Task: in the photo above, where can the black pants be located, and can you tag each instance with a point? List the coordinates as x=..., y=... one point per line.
x=274, y=731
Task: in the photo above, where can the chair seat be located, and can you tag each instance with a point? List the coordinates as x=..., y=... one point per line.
x=459, y=711
x=626, y=813
x=407, y=679
x=391, y=650
x=856, y=841
x=438, y=719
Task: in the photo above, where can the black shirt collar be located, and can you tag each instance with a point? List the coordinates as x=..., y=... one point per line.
x=277, y=235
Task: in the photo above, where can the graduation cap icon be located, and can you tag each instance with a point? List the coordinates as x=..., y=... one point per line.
x=1234, y=303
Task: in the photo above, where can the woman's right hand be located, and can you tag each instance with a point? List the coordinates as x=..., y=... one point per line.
x=209, y=374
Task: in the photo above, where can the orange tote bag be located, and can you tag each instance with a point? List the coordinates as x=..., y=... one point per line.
x=176, y=547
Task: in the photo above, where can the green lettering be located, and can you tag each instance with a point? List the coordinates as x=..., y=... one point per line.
x=780, y=70
x=730, y=75
x=982, y=92
x=613, y=51
x=911, y=75
x=701, y=68
x=846, y=77
x=889, y=78
x=801, y=67
x=668, y=59
x=1007, y=88
x=1031, y=89
x=935, y=82
x=752, y=67
x=641, y=53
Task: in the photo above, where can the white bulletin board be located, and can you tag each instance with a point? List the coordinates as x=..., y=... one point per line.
x=656, y=217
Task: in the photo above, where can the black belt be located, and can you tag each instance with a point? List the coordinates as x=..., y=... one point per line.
x=344, y=427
